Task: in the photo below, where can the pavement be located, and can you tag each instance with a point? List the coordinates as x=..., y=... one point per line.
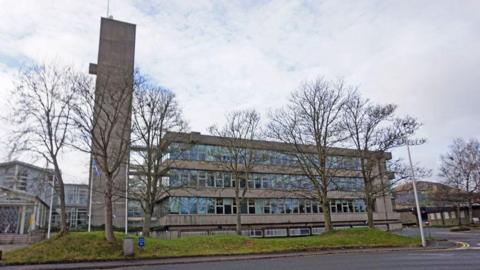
x=459, y=252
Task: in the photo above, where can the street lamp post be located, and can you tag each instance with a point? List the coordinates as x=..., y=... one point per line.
x=51, y=208
x=414, y=184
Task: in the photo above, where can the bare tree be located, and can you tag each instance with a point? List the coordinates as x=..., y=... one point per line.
x=460, y=168
x=374, y=129
x=239, y=129
x=311, y=124
x=103, y=122
x=155, y=112
x=43, y=118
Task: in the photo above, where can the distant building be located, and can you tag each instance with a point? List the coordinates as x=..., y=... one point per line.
x=25, y=197
x=435, y=207
x=25, y=192
x=76, y=204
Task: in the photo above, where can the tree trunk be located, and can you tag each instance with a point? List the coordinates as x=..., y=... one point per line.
x=61, y=195
x=238, y=227
x=370, y=208
x=109, y=209
x=147, y=221
x=327, y=218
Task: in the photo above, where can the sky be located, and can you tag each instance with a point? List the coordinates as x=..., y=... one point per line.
x=218, y=56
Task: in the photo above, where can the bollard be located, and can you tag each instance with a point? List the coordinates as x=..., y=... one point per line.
x=128, y=247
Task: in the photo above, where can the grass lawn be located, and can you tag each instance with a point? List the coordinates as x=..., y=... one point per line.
x=82, y=246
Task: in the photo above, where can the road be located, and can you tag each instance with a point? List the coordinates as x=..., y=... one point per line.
x=472, y=238
x=392, y=260
x=466, y=258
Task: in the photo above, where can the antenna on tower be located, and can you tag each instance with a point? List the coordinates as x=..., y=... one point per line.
x=108, y=10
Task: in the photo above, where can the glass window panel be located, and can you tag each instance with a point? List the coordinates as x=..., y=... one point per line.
x=218, y=180
x=202, y=205
x=227, y=180
x=219, y=205
x=210, y=179
x=211, y=205
x=202, y=179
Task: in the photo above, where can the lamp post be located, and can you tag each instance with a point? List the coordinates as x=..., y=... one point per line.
x=50, y=210
x=414, y=184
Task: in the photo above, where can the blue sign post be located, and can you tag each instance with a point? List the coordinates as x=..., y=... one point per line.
x=141, y=242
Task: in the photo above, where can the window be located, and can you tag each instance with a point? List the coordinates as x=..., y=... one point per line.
x=193, y=179
x=251, y=206
x=202, y=205
x=219, y=206
x=210, y=179
x=314, y=207
x=359, y=206
x=174, y=204
x=218, y=180
x=251, y=182
x=266, y=182
x=202, y=179
x=308, y=207
x=227, y=206
x=184, y=178
x=275, y=232
x=266, y=207
x=174, y=179
x=302, y=206
x=258, y=182
x=211, y=205
x=227, y=180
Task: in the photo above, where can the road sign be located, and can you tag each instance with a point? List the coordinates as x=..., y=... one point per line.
x=141, y=241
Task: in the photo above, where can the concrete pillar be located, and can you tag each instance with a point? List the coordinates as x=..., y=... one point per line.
x=22, y=219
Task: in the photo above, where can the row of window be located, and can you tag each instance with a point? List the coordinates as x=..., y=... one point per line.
x=201, y=178
x=226, y=206
x=265, y=157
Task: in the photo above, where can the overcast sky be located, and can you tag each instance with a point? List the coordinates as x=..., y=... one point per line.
x=223, y=55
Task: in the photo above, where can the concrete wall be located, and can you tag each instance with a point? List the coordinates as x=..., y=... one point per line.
x=20, y=239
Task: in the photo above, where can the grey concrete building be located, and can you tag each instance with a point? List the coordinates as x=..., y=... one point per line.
x=113, y=96
x=201, y=196
x=25, y=195
x=202, y=192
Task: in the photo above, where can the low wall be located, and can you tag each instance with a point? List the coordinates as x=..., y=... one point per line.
x=23, y=239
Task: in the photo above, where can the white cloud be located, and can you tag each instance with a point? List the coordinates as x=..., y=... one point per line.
x=217, y=56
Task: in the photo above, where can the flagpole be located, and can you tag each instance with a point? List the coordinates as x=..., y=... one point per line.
x=90, y=197
x=126, y=199
x=50, y=210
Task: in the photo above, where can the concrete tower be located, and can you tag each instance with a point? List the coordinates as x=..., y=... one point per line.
x=113, y=94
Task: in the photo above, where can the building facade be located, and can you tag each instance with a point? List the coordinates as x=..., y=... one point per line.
x=25, y=193
x=201, y=191
x=76, y=205
x=440, y=205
